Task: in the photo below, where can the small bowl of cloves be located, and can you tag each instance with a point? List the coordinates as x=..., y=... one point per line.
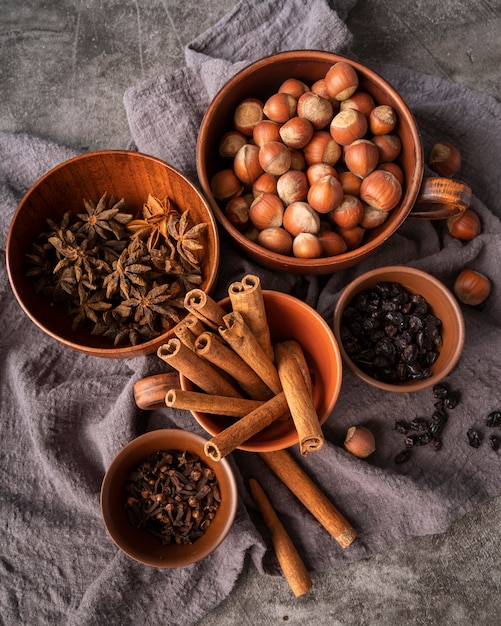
x=399, y=328
x=164, y=503
x=103, y=247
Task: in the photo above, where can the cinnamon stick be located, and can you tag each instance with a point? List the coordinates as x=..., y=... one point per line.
x=149, y=392
x=188, y=330
x=211, y=347
x=239, y=336
x=246, y=298
x=299, y=398
x=202, y=306
x=240, y=431
x=288, y=557
x=307, y=492
x=196, y=369
x=205, y=403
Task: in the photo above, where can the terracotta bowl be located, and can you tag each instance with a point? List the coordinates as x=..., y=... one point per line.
x=139, y=543
x=124, y=174
x=260, y=80
x=290, y=318
x=443, y=305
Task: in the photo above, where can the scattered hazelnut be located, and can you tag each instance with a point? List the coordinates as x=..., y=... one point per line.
x=322, y=149
x=307, y=246
x=230, y=143
x=280, y=107
x=292, y=187
x=382, y=119
x=332, y=243
x=360, y=441
x=361, y=157
x=296, y=132
x=360, y=100
x=275, y=158
x=465, y=226
x=300, y=217
x=445, y=159
x=316, y=109
x=266, y=211
x=325, y=194
x=225, y=185
x=246, y=164
x=472, y=287
x=348, y=125
x=265, y=131
x=276, y=239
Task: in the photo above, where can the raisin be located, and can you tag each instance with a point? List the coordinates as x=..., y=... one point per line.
x=403, y=456
x=474, y=438
x=493, y=419
x=494, y=442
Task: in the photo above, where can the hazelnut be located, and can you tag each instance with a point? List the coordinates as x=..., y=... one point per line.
x=325, y=194
x=372, y=217
x=225, y=185
x=266, y=211
x=292, y=187
x=341, y=80
x=294, y=87
x=348, y=213
x=246, y=164
x=381, y=190
x=361, y=157
x=280, y=107
x=389, y=146
x=316, y=109
x=275, y=158
x=360, y=100
x=307, y=246
x=322, y=149
x=237, y=213
x=265, y=183
x=332, y=243
x=464, y=226
x=395, y=169
x=247, y=114
x=352, y=236
x=472, y=287
x=319, y=170
x=276, y=239
x=350, y=183
x=265, y=131
x=445, y=159
x=348, y=125
x=382, y=119
x=300, y=217
x=360, y=441
x=298, y=161
x=230, y=143
x=296, y=132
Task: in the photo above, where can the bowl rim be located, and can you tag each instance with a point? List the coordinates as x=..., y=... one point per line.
x=180, y=436
x=290, y=263
x=116, y=352
x=290, y=439
x=350, y=290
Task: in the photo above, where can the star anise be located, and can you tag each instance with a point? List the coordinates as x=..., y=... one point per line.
x=103, y=218
x=88, y=307
x=153, y=224
x=143, y=305
x=131, y=268
x=187, y=237
x=70, y=252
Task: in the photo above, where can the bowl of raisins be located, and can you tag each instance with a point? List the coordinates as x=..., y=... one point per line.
x=399, y=329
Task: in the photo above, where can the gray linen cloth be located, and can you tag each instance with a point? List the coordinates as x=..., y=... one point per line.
x=65, y=415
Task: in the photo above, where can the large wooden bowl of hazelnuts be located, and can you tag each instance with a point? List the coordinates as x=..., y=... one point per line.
x=310, y=161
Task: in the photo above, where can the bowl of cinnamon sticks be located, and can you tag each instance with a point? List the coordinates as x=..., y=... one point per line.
x=259, y=370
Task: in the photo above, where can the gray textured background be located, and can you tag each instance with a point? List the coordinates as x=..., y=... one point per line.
x=64, y=67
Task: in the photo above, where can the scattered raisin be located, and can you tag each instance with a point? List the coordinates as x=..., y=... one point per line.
x=474, y=438
x=493, y=419
x=494, y=442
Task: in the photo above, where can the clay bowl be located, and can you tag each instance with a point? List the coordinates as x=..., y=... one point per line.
x=433, y=197
x=290, y=318
x=443, y=305
x=124, y=174
x=139, y=543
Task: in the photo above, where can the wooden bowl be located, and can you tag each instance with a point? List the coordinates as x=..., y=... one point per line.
x=124, y=174
x=260, y=80
x=443, y=305
x=139, y=543
x=290, y=318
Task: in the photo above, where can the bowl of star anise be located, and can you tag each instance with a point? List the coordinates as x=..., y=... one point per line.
x=103, y=248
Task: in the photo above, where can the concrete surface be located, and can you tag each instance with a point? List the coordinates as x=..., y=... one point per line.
x=64, y=66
